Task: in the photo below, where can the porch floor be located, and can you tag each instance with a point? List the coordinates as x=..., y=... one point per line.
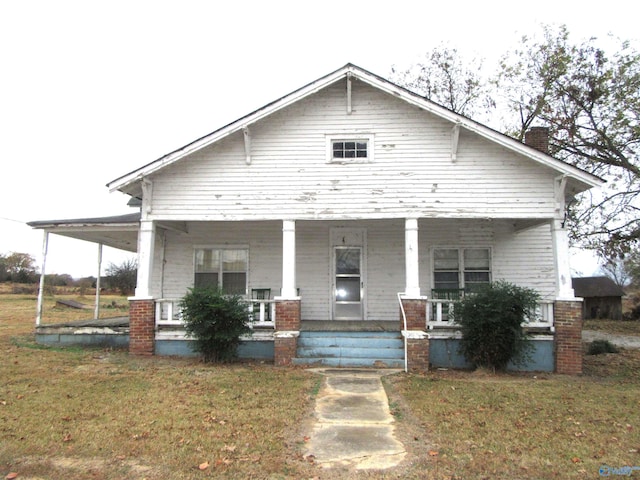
x=349, y=326
x=93, y=322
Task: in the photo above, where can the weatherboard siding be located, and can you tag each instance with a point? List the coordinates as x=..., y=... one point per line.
x=524, y=258
x=411, y=174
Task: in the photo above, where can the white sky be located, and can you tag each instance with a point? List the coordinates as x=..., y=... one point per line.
x=91, y=90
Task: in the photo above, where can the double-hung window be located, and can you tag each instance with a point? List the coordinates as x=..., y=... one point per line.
x=461, y=268
x=224, y=268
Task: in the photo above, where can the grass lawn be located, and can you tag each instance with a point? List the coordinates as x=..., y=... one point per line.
x=101, y=414
x=620, y=327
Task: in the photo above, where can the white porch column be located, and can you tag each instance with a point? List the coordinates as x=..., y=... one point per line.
x=146, y=243
x=560, y=238
x=411, y=256
x=45, y=248
x=96, y=311
x=289, y=260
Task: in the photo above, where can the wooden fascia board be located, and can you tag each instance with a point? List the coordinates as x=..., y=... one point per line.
x=83, y=227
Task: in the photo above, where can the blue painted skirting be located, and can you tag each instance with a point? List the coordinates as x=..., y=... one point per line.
x=443, y=353
x=259, y=350
x=91, y=340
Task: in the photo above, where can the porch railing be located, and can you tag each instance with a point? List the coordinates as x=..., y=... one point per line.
x=440, y=315
x=262, y=313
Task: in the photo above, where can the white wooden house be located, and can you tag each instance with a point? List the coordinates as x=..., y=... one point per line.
x=352, y=204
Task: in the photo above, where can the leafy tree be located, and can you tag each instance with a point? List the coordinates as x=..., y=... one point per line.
x=18, y=267
x=215, y=321
x=448, y=79
x=590, y=101
x=632, y=267
x=587, y=98
x=615, y=268
x=58, y=280
x=491, y=324
x=123, y=276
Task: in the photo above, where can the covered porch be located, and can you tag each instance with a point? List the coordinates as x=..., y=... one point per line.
x=344, y=278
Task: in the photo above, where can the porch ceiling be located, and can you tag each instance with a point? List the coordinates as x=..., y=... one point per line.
x=119, y=231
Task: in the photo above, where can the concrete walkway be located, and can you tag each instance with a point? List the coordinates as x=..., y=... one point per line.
x=353, y=426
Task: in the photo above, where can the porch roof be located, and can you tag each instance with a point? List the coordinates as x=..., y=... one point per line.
x=578, y=179
x=117, y=231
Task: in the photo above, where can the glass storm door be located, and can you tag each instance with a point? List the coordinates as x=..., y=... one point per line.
x=348, y=286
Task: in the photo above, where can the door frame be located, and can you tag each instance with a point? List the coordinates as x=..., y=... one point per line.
x=348, y=237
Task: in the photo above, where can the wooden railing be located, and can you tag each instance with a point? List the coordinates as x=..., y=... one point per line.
x=440, y=315
x=261, y=313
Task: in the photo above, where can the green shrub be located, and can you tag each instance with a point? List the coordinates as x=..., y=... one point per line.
x=598, y=347
x=215, y=321
x=491, y=320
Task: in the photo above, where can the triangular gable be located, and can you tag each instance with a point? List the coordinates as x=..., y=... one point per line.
x=582, y=180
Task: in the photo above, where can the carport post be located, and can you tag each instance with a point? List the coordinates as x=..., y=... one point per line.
x=45, y=247
x=96, y=312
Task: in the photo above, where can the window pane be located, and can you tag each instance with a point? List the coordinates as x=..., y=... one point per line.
x=349, y=153
x=348, y=289
x=349, y=145
x=476, y=277
x=476, y=259
x=234, y=260
x=448, y=280
x=347, y=261
x=207, y=260
x=445, y=259
x=361, y=154
x=338, y=149
x=234, y=283
x=206, y=280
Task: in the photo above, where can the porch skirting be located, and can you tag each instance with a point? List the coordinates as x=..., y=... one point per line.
x=559, y=351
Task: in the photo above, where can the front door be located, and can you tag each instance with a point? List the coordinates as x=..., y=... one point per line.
x=348, y=285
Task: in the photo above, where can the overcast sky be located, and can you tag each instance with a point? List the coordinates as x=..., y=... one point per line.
x=91, y=90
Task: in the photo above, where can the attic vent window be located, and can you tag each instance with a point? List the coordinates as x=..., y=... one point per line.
x=350, y=148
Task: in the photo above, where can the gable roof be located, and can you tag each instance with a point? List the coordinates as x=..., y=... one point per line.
x=586, y=287
x=581, y=180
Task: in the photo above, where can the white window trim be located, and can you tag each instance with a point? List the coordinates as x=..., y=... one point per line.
x=221, y=247
x=461, y=269
x=337, y=137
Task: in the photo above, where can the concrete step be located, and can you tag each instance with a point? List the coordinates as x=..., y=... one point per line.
x=350, y=349
x=350, y=342
x=350, y=362
x=355, y=352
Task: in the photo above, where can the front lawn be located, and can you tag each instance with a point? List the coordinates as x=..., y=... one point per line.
x=101, y=414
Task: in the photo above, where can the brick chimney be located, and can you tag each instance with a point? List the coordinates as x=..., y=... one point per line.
x=538, y=138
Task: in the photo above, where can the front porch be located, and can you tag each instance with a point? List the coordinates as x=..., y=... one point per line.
x=369, y=343
x=344, y=276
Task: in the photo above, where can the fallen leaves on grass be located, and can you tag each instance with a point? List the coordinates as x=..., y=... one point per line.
x=11, y=476
x=203, y=466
